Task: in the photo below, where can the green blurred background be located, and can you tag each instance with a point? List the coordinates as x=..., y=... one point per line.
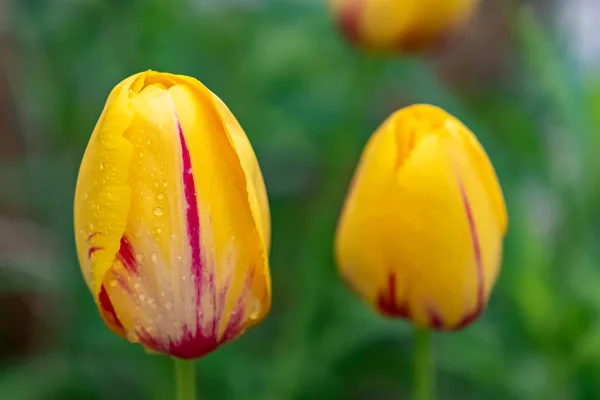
x=522, y=74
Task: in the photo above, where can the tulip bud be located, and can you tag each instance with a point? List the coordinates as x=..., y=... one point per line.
x=172, y=221
x=400, y=25
x=420, y=236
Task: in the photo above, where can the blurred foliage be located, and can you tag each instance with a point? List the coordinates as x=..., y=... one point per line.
x=308, y=102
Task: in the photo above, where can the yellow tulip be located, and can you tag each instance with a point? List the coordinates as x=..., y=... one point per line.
x=400, y=25
x=420, y=236
x=172, y=221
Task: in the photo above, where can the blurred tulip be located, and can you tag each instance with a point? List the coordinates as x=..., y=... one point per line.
x=420, y=236
x=400, y=25
x=171, y=218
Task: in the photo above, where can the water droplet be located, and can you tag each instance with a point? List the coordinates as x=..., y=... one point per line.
x=158, y=211
x=139, y=257
x=137, y=286
x=85, y=196
x=158, y=231
x=132, y=337
x=255, y=310
x=101, y=165
x=160, y=196
x=118, y=265
x=152, y=302
x=141, y=154
x=165, y=183
x=142, y=297
x=155, y=183
x=148, y=142
x=168, y=305
x=113, y=283
x=153, y=257
x=91, y=226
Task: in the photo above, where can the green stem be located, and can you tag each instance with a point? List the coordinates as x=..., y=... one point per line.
x=424, y=379
x=185, y=379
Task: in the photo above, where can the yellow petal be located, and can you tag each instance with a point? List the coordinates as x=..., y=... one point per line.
x=189, y=270
x=421, y=233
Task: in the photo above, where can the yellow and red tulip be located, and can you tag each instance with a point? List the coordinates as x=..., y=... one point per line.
x=400, y=25
x=421, y=233
x=172, y=221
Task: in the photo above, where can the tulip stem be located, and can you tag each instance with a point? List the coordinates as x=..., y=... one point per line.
x=185, y=379
x=423, y=371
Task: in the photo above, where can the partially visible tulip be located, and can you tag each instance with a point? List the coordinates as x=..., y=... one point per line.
x=400, y=25
x=420, y=236
x=171, y=218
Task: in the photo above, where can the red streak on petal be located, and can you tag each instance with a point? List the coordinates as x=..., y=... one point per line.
x=387, y=302
x=127, y=256
x=467, y=319
x=193, y=222
x=92, y=236
x=94, y=249
x=476, y=247
x=435, y=319
x=108, y=309
x=195, y=343
x=234, y=325
x=470, y=317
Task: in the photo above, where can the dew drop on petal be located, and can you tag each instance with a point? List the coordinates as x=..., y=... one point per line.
x=168, y=305
x=113, y=283
x=255, y=310
x=101, y=165
x=158, y=211
x=160, y=196
x=153, y=257
x=158, y=231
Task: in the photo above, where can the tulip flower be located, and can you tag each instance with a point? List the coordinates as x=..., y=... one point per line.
x=400, y=25
x=420, y=236
x=172, y=221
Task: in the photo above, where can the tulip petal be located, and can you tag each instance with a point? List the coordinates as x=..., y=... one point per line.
x=257, y=193
x=224, y=186
x=102, y=195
